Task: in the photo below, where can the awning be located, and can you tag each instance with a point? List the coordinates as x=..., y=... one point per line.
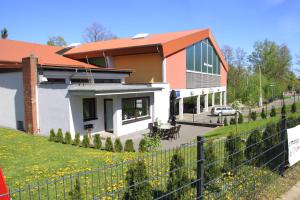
x=110, y=89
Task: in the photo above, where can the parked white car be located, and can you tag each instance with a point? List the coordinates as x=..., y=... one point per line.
x=223, y=110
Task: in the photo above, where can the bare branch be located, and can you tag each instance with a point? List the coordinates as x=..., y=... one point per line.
x=97, y=32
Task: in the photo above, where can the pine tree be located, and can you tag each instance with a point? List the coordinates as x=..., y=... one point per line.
x=234, y=152
x=77, y=139
x=294, y=108
x=129, y=147
x=263, y=114
x=118, y=145
x=273, y=112
x=241, y=118
x=137, y=187
x=108, y=144
x=253, y=115
x=52, y=136
x=97, y=141
x=283, y=109
x=68, y=138
x=254, y=148
x=86, y=141
x=142, y=146
x=59, y=136
x=225, y=121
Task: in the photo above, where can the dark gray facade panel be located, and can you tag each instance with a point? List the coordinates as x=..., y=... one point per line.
x=198, y=80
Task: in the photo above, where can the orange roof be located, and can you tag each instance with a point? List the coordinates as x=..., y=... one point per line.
x=12, y=51
x=170, y=43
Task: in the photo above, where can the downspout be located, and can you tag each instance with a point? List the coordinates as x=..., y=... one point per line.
x=164, y=65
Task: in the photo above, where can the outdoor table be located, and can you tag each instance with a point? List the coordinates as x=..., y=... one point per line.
x=165, y=126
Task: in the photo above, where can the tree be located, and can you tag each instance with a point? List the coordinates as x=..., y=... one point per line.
x=77, y=139
x=108, y=144
x=52, y=136
x=241, y=118
x=97, y=141
x=86, y=141
x=136, y=183
x=273, y=112
x=59, y=136
x=228, y=54
x=97, y=32
x=294, y=108
x=4, y=33
x=118, y=145
x=68, y=138
x=254, y=147
x=234, y=152
x=283, y=109
x=56, y=41
x=129, y=147
x=263, y=114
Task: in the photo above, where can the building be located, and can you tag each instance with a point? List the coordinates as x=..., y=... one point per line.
x=116, y=86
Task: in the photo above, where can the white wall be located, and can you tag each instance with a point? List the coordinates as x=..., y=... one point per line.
x=161, y=108
x=11, y=99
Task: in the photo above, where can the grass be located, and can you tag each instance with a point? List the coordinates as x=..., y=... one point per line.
x=246, y=126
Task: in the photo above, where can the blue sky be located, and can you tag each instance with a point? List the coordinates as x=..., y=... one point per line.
x=238, y=23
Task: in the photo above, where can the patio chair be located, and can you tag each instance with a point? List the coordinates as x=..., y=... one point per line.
x=153, y=129
x=172, y=133
x=177, y=131
x=173, y=123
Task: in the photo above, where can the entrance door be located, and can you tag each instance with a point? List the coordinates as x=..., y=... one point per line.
x=108, y=115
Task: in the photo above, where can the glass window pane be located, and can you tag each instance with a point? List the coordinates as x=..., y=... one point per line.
x=198, y=57
x=204, y=57
x=190, y=58
x=128, y=109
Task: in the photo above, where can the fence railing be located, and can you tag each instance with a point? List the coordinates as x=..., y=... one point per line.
x=236, y=167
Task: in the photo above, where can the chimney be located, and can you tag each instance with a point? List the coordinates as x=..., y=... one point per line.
x=29, y=68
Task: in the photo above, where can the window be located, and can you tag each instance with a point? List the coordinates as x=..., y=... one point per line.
x=89, y=109
x=198, y=57
x=55, y=81
x=107, y=80
x=204, y=57
x=135, y=108
x=79, y=80
x=190, y=58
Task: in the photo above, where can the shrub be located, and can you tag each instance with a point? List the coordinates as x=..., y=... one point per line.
x=97, y=141
x=294, y=108
x=283, y=109
x=253, y=115
x=241, y=118
x=152, y=143
x=178, y=177
x=234, y=153
x=75, y=193
x=254, y=147
x=263, y=114
x=225, y=121
x=232, y=121
x=86, y=141
x=212, y=169
x=118, y=145
x=68, y=138
x=108, y=144
x=143, y=146
x=59, y=136
x=52, y=136
x=77, y=139
x=273, y=112
x=271, y=148
x=137, y=187
x=129, y=146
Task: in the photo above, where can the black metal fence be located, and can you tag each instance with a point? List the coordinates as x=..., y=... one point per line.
x=238, y=166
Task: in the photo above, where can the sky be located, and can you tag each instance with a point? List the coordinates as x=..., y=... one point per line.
x=237, y=23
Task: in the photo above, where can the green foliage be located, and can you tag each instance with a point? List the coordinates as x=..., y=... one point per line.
x=212, y=168
x=152, y=143
x=75, y=193
x=59, y=136
x=225, y=121
x=97, y=141
x=234, y=152
x=294, y=108
x=253, y=115
x=137, y=187
x=77, y=139
x=52, y=136
x=129, y=146
x=283, y=109
x=178, y=177
x=108, y=144
x=86, y=141
x=68, y=138
x=241, y=118
x=263, y=114
x=4, y=33
x=56, y=41
x=143, y=146
x=118, y=145
x=232, y=121
x=254, y=147
x=273, y=112
x=270, y=146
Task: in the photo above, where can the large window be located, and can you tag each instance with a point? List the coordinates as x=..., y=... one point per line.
x=89, y=109
x=135, y=108
x=202, y=57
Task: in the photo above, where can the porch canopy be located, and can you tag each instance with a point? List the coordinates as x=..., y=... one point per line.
x=110, y=89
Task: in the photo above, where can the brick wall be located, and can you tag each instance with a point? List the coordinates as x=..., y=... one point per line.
x=29, y=67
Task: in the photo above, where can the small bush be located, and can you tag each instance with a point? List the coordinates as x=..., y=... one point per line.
x=59, y=136
x=152, y=143
x=178, y=177
x=225, y=121
x=129, y=146
x=75, y=193
x=234, y=152
x=52, y=136
x=97, y=141
x=108, y=144
x=212, y=169
x=253, y=115
x=273, y=112
x=77, y=139
x=294, y=108
x=241, y=118
x=137, y=187
x=263, y=114
x=283, y=109
x=232, y=121
x=254, y=147
x=118, y=145
x=68, y=138
x=86, y=141
x=143, y=146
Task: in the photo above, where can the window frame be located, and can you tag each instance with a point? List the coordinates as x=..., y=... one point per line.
x=136, y=118
x=89, y=100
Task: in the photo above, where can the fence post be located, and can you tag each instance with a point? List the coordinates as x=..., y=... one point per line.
x=283, y=136
x=200, y=167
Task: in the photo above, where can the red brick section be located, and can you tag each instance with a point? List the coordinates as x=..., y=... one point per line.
x=29, y=67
